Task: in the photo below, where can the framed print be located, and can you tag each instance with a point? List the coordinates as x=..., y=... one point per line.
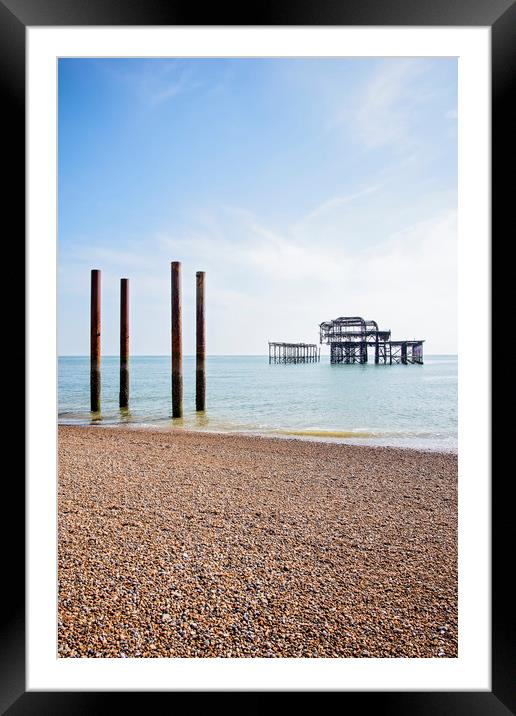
x=257, y=488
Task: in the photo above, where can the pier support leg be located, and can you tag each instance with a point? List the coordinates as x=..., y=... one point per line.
x=200, y=367
x=177, y=342
x=95, y=342
x=123, y=397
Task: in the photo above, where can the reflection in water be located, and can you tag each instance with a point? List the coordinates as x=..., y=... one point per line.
x=126, y=415
x=412, y=406
x=177, y=422
x=201, y=420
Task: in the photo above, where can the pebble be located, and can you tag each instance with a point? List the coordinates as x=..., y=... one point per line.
x=237, y=546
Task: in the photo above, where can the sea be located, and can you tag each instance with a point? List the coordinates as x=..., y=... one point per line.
x=407, y=406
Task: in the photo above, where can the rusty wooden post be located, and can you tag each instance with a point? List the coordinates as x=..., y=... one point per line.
x=95, y=342
x=177, y=343
x=200, y=367
x=124, y=343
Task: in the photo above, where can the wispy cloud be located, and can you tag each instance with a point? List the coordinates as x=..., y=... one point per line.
x=167, y=92
x=154, y=82
x=260, y=274
x=382, y=117
x=380, y=113
x=337, y=202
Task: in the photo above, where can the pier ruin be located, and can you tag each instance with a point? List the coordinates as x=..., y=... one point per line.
x=351, y=338
x=294, y=352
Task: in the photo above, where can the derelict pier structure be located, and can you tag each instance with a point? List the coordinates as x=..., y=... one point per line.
x=294, y=352
x=351, y=338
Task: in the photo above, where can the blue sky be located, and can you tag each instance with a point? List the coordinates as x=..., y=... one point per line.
x=306, y=189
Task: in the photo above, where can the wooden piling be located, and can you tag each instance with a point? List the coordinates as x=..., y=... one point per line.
x=124, y=343
x=177, y=342
x=95, y=342
x=200, y=367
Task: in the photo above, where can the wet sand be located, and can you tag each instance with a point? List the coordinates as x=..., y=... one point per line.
x=185, y=544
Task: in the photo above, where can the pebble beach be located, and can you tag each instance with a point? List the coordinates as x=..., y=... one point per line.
x=188, y=544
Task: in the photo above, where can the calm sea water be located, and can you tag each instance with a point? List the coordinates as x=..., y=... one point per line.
x=405, y=406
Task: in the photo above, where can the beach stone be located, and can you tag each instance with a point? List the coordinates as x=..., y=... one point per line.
x=176, y=544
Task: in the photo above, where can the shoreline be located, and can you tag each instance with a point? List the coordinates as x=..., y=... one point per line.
x=271, y=435
x=190, y=544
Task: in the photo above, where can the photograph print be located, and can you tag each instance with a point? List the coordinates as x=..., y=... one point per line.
x=257, y=357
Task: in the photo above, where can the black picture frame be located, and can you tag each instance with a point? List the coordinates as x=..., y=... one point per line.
x=15, y=17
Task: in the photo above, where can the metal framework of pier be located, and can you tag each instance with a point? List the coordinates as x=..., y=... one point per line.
x=351, y=337
x=294, y=352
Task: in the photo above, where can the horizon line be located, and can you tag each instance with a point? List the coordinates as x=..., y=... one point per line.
x=193, y=355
